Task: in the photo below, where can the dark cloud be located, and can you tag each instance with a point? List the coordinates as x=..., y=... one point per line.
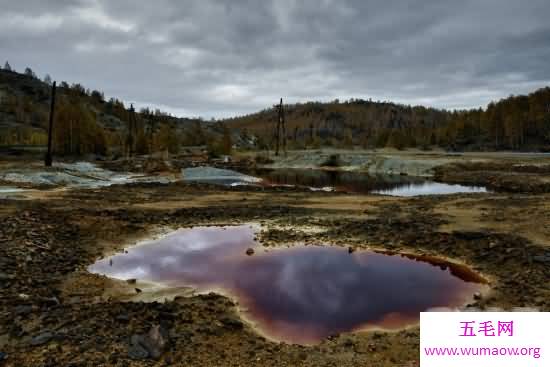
x=218, y=58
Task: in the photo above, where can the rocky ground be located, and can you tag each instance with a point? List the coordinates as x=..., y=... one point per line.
x=54, y=313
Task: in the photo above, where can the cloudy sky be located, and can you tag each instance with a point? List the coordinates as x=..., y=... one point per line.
x=227, y=57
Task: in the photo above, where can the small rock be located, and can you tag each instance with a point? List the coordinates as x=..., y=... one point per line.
x=348, y=343
x=151, y=345
x=131, y=281
x=49, y=301
x=477, y=296
x=23, y=310
x=136, y=350
x=351, y=250
x=42, y=338
x=250, y=252
x=123, y=318
x=232, y=323
x=156, y=341
x=376, y=335
x=138, y=290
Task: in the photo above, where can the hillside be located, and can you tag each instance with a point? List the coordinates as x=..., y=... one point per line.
x=87, y=123
x=515, y=123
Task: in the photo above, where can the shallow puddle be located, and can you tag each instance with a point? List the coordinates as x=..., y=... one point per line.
x=430, y=188
x=301, y=294
x=358, y=182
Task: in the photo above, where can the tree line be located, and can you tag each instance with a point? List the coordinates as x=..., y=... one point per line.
x=86, y=122
x=514, y=123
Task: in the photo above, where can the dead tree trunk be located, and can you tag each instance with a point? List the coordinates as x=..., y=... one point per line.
x=280, y=129
x=130, y=139
x=48, y=159
x=277, y=132
x=151, y=133
x=283, y=125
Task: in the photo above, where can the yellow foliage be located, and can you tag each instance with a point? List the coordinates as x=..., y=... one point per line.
x=76, y=131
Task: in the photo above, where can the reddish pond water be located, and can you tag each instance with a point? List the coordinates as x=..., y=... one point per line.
x=301, y=294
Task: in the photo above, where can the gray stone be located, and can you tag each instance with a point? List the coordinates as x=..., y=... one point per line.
x=123, y=317
x=41, y=339
x=232, y=323
x=136, y=350
x=156, y=341
x=151, y=345
x=23, y=310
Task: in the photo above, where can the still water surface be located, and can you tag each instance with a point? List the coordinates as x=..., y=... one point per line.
x=301, y=294
x=358, y=182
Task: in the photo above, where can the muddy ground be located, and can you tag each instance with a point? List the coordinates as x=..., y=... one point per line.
x=54, y=313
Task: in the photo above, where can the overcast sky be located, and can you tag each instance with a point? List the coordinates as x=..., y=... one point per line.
x=222, y=58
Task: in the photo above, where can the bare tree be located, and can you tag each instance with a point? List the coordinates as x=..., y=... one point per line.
x=280, y=129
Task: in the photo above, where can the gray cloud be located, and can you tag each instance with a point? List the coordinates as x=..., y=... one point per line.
x=221, y=58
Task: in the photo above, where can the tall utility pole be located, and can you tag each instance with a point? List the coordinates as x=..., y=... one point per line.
x=280, y=129
x=48, y=159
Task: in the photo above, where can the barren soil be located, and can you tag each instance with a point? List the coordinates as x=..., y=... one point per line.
x=54, y=313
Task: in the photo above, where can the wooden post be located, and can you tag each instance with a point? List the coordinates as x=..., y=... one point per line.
x=48, y=159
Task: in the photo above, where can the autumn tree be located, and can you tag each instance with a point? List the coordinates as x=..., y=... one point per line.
x=142, y=142
x=76, y=130
x=167, y=139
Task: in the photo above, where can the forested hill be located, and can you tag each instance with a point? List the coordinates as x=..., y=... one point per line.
x=514, y=123
x=88, y=123
x=85, y=122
